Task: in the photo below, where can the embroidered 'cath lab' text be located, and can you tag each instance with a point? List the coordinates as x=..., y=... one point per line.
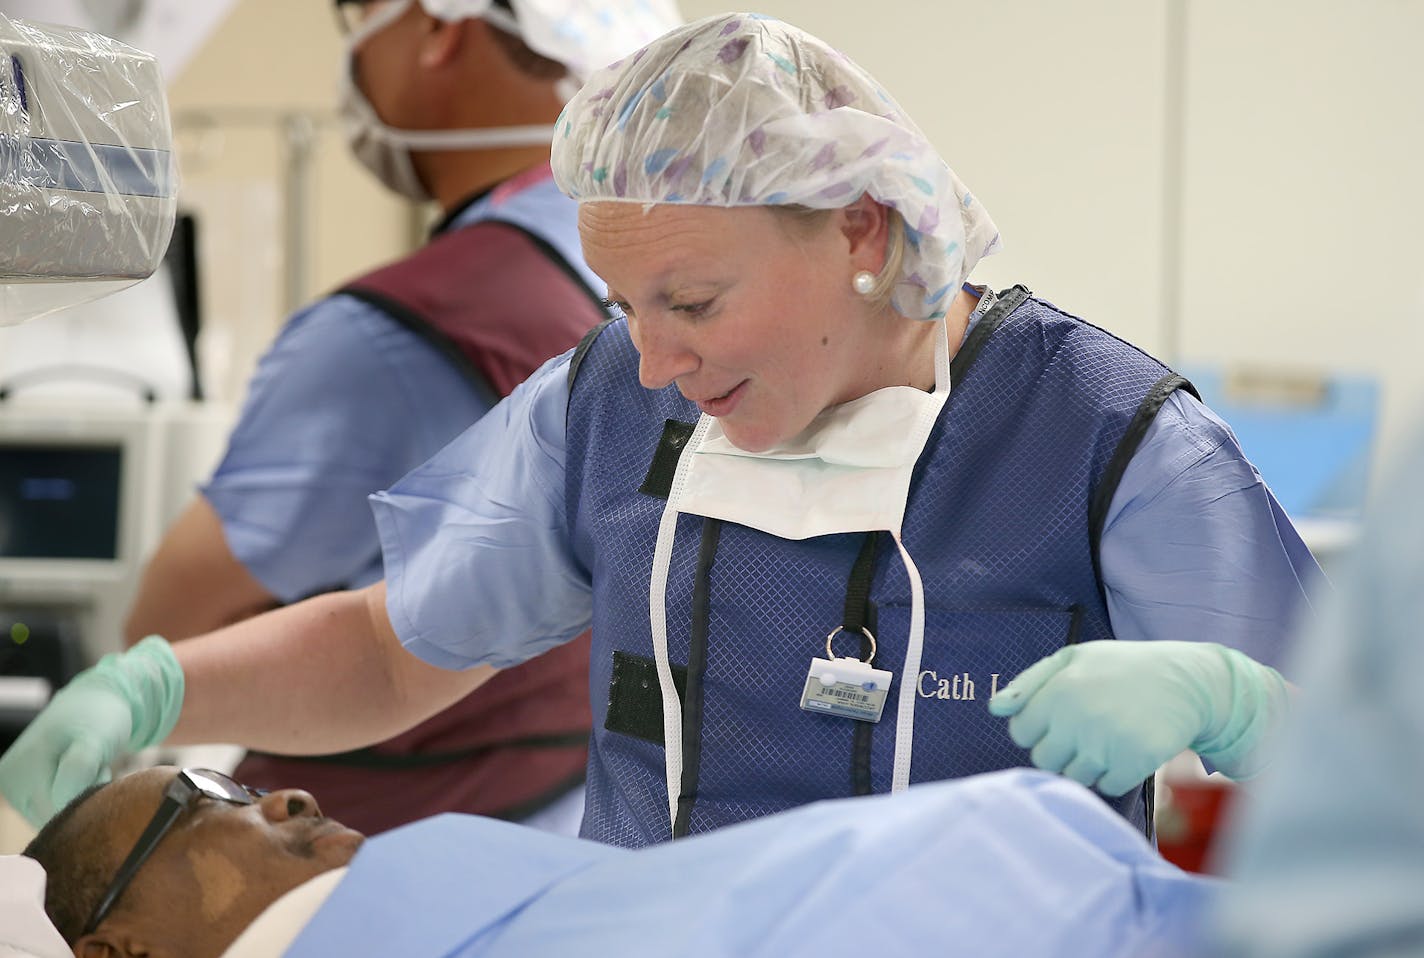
x=959, y=687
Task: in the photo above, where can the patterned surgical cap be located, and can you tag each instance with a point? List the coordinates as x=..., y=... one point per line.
x=743, y=110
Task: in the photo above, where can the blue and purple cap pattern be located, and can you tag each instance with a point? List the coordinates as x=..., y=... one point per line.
x=744, y=110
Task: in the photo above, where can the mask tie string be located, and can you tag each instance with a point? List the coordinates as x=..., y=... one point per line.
x=914, y=649
x=657, y=618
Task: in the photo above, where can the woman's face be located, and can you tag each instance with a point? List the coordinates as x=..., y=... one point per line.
x=753, y=317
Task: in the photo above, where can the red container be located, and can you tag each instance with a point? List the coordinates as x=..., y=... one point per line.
x=1190, y=816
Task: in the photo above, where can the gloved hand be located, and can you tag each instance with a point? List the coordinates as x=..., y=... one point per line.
x=129, y=700
x=1109, y=713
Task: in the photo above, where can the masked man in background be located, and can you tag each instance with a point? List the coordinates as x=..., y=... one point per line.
x=451, y=101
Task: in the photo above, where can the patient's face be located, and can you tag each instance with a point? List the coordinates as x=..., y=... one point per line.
x=217, y=868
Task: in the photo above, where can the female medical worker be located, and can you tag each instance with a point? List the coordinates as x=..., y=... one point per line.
x=818, y=498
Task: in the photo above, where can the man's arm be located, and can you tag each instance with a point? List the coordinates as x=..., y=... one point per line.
x=324, y=675
x=194, y=584
x=344, y=402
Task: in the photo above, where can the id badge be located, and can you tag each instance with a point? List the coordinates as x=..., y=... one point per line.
x=846, y=687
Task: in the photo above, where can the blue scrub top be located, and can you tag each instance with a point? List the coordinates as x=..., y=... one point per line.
x=1194, y=546
x=345, y=402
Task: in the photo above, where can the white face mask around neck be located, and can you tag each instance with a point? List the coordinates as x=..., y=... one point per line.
x=849, y=471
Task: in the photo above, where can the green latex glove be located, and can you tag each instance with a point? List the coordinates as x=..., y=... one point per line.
x=129, y=700
x=1108, y=714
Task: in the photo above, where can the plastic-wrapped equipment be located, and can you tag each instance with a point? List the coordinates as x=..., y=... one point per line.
x=88, y=180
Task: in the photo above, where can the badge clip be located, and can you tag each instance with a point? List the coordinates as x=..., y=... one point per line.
x=846, y=686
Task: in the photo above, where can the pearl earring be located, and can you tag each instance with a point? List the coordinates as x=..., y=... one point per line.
x=863, y=282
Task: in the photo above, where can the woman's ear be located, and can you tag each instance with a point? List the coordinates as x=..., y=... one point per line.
x=866, y=227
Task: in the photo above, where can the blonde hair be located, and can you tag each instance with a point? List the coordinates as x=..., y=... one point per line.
x=805, y=221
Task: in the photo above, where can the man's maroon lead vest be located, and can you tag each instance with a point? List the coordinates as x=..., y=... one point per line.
x=498, y=301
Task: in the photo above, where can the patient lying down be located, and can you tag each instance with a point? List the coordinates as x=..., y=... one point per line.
x=211, y=873
x=1017, y=862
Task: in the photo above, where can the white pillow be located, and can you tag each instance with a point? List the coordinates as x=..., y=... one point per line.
x=25, y=929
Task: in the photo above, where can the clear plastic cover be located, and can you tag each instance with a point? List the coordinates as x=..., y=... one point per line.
x=88, y=181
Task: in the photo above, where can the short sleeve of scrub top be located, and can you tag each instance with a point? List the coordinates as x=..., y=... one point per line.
x=1196, y=547
x=479, y=568
x=345, y=402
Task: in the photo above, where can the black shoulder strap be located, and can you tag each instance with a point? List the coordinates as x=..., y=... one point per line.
x=404, y=316
x=1126, y=448
x=582, y=349
x=1003, y=307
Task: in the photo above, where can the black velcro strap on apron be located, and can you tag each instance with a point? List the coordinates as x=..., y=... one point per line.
x=635, y=699
x=658, y=481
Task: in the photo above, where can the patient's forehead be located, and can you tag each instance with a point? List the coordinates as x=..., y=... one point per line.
x=142, y=788
x=123, y=807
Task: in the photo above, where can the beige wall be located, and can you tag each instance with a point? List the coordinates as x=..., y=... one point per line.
x=1217, y=181
x=1301, y=235
x=15, y=832
x=268, y=71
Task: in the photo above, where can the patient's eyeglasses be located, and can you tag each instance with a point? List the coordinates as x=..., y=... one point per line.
x=187, y=787
x=350, y=14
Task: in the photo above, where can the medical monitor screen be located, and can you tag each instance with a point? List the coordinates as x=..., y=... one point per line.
x=59, y=502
